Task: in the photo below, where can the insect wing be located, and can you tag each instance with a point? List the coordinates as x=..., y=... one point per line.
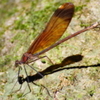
x=54, y=29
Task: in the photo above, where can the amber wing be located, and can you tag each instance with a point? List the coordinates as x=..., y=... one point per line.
x=54, y=29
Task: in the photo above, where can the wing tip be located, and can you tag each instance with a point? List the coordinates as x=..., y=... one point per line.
x=69, y=4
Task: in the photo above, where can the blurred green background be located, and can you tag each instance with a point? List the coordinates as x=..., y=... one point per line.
x=21, y=21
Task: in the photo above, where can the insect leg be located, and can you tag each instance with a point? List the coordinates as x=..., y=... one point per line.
x=19, y=80
x=27, y=82
x=36, y=70
x=43, y=87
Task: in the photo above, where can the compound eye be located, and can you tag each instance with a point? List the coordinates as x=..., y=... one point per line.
x=16, y=63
